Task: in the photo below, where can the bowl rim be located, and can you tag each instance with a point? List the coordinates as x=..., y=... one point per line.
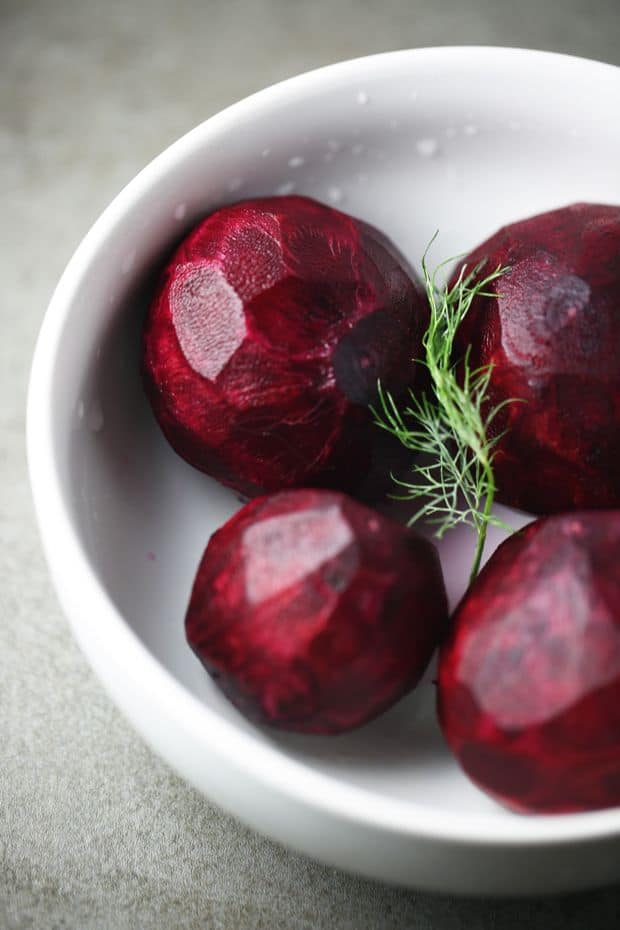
x=70, y=565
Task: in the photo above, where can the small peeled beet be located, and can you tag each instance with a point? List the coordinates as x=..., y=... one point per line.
x=551, y=331
x=313, y=612
x=529, y=678
x=263, y=345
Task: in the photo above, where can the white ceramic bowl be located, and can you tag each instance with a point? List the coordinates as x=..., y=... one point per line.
x=456, y=139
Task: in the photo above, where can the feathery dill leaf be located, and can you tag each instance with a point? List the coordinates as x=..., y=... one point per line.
x=452, y=475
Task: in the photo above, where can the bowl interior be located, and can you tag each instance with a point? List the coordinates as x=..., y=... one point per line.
x=412, y=149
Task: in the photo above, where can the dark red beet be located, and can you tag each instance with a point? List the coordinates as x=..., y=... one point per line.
x=262, y=349
x=529, y=679
x=313, y=612
x=552, y=334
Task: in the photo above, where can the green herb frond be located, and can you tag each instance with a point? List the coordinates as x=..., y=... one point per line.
x=450, y=432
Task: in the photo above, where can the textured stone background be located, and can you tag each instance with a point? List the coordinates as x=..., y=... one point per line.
x=95, y=832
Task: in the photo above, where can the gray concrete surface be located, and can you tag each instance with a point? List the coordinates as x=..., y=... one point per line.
x=96, y=833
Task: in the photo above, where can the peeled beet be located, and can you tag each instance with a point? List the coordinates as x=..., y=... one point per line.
x=313, y=612
x=552, y=334
x=264, y=342
x=529, y=679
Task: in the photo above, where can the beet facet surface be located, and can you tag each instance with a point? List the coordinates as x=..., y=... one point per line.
x=552, y=333
x=264, y=342
x=529, y=677
x=314, y=613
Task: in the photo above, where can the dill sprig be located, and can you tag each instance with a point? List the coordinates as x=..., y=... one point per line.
x=450, y=430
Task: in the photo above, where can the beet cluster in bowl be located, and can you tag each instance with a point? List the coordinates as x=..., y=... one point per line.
x=272, y=326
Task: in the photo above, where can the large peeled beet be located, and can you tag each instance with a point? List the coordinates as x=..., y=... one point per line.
x=313, y=612
x=272, y=323
x=551, y=330
x=529, y=679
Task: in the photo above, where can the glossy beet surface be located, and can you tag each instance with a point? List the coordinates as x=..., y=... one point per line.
x=529, y=680
x=313, y=612
x=262, y=349
x=552, y=333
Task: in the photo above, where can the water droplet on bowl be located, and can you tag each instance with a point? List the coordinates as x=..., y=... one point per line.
x=413, y=95
x=427, y=148
x=234, y=184
x=286, y=188
x=393, y=124
x=128, y=262
x=296, y=161
x=265, y=153
x=335, y=194
x=180, y=211
x=80, y=410
x=334, y=145
x=470, y=129
x=357, y=149
x=362, y=98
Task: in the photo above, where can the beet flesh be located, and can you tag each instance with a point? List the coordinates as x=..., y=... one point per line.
x=551, y=330
x=314, y=613
x=265, y=339
x=529, y=678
